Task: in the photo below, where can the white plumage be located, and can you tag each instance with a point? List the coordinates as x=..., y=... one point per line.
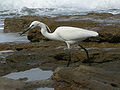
x=73, y=33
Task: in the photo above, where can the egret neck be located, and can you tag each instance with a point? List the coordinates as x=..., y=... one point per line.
x=45, y=32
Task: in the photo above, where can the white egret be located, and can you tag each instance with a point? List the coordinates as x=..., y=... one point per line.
x=67, y=34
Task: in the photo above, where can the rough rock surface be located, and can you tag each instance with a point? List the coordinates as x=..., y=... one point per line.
x=88, y=78
x=9, y=84
x=50, y=55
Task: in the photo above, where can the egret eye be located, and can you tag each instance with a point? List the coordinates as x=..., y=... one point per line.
x=32, y=26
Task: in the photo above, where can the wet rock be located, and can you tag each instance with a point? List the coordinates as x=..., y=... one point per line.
x=43, y=83
x=106, y=24
x=110, y=34
x=9, y=84
x=88, y=77
x=47, y=55
x=14, y=25
x=51, y=54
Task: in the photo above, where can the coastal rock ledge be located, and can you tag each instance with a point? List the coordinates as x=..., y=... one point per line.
x=107, y=25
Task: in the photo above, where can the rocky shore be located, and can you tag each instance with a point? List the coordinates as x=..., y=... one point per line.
x=106, y=24
x=104, y=51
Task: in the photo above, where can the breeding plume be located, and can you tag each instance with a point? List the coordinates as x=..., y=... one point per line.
x=67, y=34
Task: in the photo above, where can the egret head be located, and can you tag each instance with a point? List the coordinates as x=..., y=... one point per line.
x=32, y=25
x=35, y=24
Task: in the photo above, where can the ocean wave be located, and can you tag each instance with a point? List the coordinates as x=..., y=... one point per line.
x=86, y=4
x=57, y=7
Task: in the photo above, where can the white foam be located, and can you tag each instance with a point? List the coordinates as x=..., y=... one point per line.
x=56, y=7
x=81, y=4
x=11, y=8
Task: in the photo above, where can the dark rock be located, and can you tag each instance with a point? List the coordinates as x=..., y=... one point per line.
x=9, y=84
x=19, y=49
x=88, y=77
x=101, y=14
x=14, y=24
x=48, y=56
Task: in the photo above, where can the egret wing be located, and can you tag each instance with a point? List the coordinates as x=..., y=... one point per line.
x=73, y=33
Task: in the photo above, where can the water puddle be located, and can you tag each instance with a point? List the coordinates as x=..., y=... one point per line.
x=6, y=52
x=30, y=75
x=106, y=49
x=1, y=28
x=61, y=88
x=12, y=37
x=44, y=89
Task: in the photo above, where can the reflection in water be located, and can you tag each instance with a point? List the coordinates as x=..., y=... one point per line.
x=30, y=75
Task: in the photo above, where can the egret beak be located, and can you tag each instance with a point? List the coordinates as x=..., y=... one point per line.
x=25, y=30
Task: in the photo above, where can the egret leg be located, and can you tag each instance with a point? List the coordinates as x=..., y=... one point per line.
x=69, y=57
x=88, y=58
x=69, y=54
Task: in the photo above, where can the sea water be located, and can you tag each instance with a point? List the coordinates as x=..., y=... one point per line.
x=57, y=7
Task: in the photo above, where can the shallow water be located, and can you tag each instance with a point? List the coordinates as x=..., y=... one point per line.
x=6, y=51
x=44, y=89
x=30, y=75
x=4, y=54
x=57, y=7
x=12, y=37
